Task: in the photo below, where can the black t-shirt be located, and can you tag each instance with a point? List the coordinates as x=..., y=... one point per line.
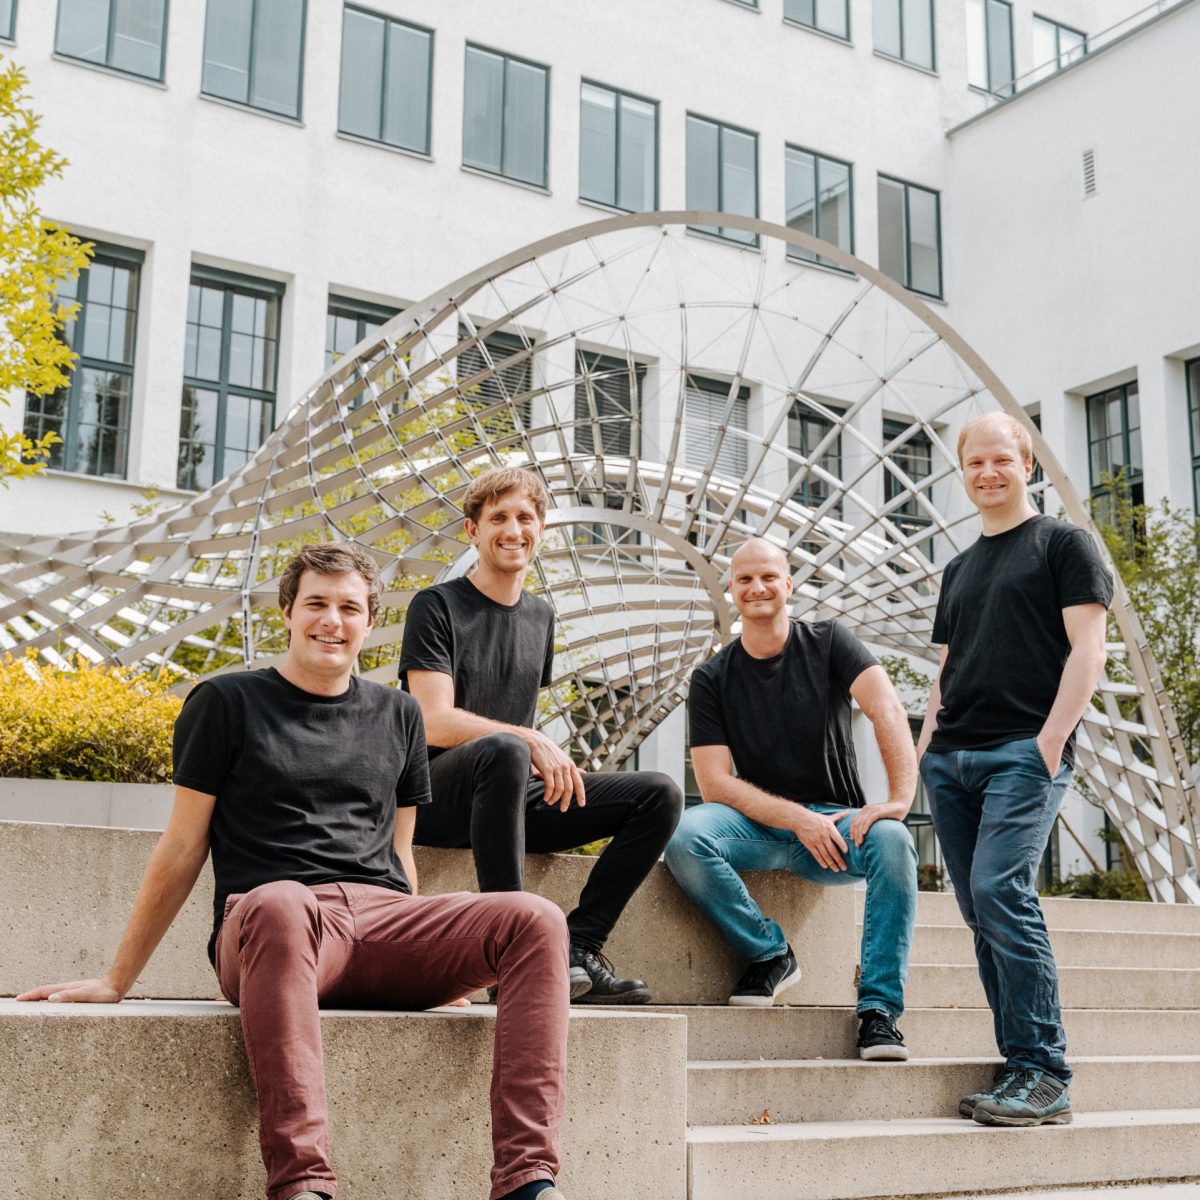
x=1000, y=614
x=307, y=786
x=499, y=655
x=786, y=720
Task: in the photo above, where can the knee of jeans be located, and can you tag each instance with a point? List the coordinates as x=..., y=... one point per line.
x=892, y=849
x=690, y=841
x=997, y=903
x=536, y=912
x=505, y=752
x=278, y=907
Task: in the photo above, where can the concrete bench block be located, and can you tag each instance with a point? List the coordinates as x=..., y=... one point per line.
x=149, y=1099
x=66, y=890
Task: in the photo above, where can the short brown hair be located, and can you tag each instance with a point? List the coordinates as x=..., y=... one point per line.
x=331, y=558
x=499, y=481
x=1014, y=427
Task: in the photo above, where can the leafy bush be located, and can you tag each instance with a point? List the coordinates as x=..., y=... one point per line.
x=1101, y=885
x=930, y=878
x=84, y=722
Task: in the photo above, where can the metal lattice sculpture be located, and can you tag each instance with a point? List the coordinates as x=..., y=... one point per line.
x=618, y=361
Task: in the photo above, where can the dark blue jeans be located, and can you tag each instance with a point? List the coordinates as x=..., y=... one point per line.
x=992, y=812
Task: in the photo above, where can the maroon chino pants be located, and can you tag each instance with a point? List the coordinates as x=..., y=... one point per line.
x=285, y=949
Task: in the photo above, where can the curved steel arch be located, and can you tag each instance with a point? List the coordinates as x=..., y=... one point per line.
x=631, y=344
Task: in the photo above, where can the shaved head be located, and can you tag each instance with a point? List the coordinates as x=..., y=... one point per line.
x=757, y=547
x=1002, y=423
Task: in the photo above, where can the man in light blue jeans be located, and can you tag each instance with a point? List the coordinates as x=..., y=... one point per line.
x=1021, y=621
x=775, y=705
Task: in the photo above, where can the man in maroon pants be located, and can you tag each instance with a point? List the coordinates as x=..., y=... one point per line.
x=304, y=781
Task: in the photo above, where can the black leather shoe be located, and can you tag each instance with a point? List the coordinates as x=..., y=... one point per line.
x=604, y=987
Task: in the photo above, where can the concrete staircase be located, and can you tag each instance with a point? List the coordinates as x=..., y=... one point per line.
x=839, y=1127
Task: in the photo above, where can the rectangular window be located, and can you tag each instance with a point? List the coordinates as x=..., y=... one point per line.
x=711, y=412
x=349, y=321
x=1037, y=476
x=829, y=16
x=506, y=356
x=807, y=429
x=505, y=116
x=990, y=46
x=254, y=53
x=228, y=374
x=91, y=414
x=618, y=149
x=722, y=174
x=126, y=35
x=1193, y=389
x=1115, y=444
x=819, y=201
x=8, y=19
x=608, y=395
x=1055, y=46
x=910, y=235
x=914, y=457
x=387, y=71
x=904, y=30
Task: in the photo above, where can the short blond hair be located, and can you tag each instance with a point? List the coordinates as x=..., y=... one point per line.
x=499, y=481
x=1010, y=424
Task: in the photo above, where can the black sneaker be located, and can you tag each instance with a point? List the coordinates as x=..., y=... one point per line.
x=1028, y=1098
x=878, y=1038
x=593, y=981
x=1000, y=1077
x=761, y=982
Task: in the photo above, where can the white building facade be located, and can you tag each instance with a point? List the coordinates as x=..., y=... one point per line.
x=267, y=180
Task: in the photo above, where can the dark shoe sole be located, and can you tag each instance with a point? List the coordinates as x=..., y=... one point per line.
x=789, y=980
x=636, y=996
x=985, y=1117
x=885, y=1052
x=966, y=1108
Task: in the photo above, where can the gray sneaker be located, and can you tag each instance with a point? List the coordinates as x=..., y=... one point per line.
x=1000, y=1077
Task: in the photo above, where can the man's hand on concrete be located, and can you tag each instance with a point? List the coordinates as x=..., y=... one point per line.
x=563, y=779
x=79, y=991
x=818, y=832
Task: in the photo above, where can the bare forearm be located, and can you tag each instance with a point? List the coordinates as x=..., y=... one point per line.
x=929, y=725
x=170, y=876
x=1075, y=689
x=899, y=759
x=446, y=727
x=751, y=801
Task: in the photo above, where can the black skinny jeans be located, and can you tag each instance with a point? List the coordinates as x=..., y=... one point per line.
x=485, y=799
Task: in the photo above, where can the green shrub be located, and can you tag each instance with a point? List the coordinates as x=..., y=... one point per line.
x=1101, y=885
x=930, y=878
x=84, y=722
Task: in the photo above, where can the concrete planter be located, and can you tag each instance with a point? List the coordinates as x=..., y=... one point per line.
x=69, y=802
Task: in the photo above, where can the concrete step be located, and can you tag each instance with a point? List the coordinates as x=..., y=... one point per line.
x=839, y=1160
x=66, y=890
x=721, y=1032
x=1067, y=912
x=942, y=985
x=1072, y=947
x=732, y=1093
x=1137, y=1191
x=150, y=1099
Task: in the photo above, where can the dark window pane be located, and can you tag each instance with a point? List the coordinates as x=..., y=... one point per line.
x=137, y=37
x=278, y=38
x=227, y=49
x=739, y=179
x=638, y=155
x=703, y=166
x=360, y=104
x=598, y=144
x=406, y=103
x=525, y=122
x=706, y=402
x=83, y=29
x=833, y=17
x=483, y=110
x=8, y=10
x=834, y=204
x=924, y=251
x=999, y=46
x=887, y=26
x=801, y=189
x=607, y=398
x=917, y=32
x=893, y=259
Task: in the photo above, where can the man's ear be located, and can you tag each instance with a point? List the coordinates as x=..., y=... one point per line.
x=471, y=529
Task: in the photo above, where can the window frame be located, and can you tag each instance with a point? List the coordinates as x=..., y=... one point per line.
x=793, y=252
x=123, y=256
x=910, y=512
x=387, y=19
x=231, y=282
x=1134, y=481
x=298, y=115
x=713, y=385
x=991, y=86
x=708, y=231
x=906, y=282
x=803, y=411
x=797, y=23
x=10, y=35
x=107, y=65
x=587, y=361
x=1191, y=375
x=360, y=311
x=1058, y=28
x=544, y=185
x=901, y=58
x=508, y=343
x=620, y=94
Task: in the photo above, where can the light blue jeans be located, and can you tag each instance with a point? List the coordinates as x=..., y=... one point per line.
x=992, y=812
x=713, y=843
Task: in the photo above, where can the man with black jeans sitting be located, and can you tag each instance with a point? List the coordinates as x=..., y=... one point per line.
x=476, y=651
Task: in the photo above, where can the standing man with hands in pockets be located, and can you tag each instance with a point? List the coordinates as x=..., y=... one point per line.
x=1021, y=620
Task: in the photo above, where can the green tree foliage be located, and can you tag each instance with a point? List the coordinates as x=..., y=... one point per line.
x=37, y=258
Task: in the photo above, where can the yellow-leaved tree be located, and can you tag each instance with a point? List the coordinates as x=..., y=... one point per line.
x=36, y=257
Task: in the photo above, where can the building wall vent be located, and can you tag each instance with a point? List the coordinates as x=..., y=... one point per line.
x=1089, y=172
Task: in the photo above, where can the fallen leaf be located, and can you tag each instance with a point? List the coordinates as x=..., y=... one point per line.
x=763, y=1118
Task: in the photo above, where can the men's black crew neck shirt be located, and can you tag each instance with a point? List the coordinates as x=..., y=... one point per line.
x=785, y=719
x=307, y=786
x=499, y=655
x=1000, y=615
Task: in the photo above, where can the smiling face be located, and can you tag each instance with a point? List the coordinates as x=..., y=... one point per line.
x=507, y=534
x=995, y=471
x=328, y=622
x=759, y=581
